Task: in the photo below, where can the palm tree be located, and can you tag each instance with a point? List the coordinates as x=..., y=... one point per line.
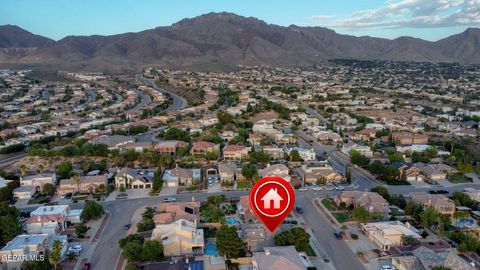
x=77, y=180
x=41, y=168
x=23, y=170
x=55, y=255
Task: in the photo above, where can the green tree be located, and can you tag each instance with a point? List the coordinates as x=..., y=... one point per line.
x=131, y=238
x=133, y=251
x=382, y=191
x=435, y=220
x=64, y=169
x=259, y=157
x=295, y=236
x=361, y=215
x=81, y=229
x=249, y=171
x=295, y=156
x=157, y=180
x=9, y=223
x=224, y=118
x=396, y=157
x=359, y=159
x=92, y=210
x=48, y=189
x=228, y=242
x=213, y=213
x=55, y=254
x=462, y=199
x=6, y=194
x=212, y=155
x=465, y=167
x=409, y=240
x=152, y=250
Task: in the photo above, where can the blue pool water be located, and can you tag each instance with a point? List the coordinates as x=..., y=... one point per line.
x=211, y=249
x=232, y=221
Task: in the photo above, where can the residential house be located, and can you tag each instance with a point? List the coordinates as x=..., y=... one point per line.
x=285, y=139
x=362, y=149
x=29, y=247
x=255, y=138
x=244, y=209
x=38, y=180
x=279, y=170
x=112, y=142
x=171, y=212
x=52, y=220
x=410, y=138
x=274, y=152
x=370, y=201
x=264, y=127
x=179, y=238
x=132, y=178
x=305, y=154
x=324, y=174
x=229, y=172
x=169, y=147
x=327, y=136
x=254, y=235
x=181, y=177
x=440, y=203
x=202, y=148
x=423, y=258
x=24, y=193
x=389, y=233
x=365, y=134
x=87, y=184
x=235, y=152
x=275, y=258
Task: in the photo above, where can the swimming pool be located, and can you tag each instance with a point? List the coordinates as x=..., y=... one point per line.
x=232, y=221
x=211, y=249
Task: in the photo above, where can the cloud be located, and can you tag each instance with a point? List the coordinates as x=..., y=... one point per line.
x=322, y=17
x=415, y=14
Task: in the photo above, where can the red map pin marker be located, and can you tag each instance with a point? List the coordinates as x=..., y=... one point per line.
x=271, y=199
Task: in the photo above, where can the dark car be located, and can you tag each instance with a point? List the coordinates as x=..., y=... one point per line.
x=86, y=266
x=127, y=226
x=299, y=210
x=442, y=191
x=432, y=191
x=338, y=234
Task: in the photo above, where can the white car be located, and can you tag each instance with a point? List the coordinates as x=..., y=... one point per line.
x=75, y=250
x=339, y=188
x=170, y=199
x=317, y=188
x=388, y=267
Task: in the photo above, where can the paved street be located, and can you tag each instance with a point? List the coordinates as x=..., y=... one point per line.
x=337, y=250
x=178, y=103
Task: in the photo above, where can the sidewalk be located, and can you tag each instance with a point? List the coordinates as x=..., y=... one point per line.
x=315, y=244
x=96, y=230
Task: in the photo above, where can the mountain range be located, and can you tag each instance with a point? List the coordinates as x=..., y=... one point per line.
x=222, y=41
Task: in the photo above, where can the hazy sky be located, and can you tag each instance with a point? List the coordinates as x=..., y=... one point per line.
x=427, y=19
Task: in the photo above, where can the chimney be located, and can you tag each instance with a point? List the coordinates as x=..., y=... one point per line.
x=267, y=251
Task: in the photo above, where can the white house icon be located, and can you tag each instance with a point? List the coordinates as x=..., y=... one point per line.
x=272, y=195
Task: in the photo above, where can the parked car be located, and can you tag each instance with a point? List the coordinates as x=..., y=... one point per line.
x=388, y=267
x=127, y=226
x=75, y=250
x=170, y=199
x=339, y=188
x=299, y=210
x=442, y=191
x=338, y=234
x=432, y=191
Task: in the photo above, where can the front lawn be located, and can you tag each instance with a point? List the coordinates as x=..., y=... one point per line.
x=310, y=251
x=41, y=199
x=242, y=185
x=328, y=203
x=192, y=188
x=460, y=178
x=341, y=217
